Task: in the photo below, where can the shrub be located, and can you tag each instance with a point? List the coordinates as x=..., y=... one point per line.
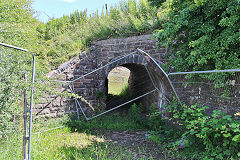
x=134, y=112
x=202, y=35
x=15, y=25
x=218, y=132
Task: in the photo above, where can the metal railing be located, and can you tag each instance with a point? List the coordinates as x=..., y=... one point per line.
x=152, y=61
x=217, y=89
x=79, y=104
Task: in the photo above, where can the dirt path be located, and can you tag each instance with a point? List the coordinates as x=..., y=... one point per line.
x=134, y=142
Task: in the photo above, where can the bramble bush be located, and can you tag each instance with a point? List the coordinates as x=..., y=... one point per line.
x=218, y=132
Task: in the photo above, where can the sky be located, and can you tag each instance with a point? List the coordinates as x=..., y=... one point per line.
x=57, y=8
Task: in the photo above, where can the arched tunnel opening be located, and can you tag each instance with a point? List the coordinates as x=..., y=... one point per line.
x=125, y=83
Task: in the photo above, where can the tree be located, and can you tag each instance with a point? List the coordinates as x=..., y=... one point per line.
x=156, y=2
x=202, y=34
x=16, y=28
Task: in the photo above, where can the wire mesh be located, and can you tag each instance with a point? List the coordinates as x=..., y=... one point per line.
x=88, y=86
x=14, y=63
x=93, y=88
x=217, y=90
x=49, y=122
x=54, y=107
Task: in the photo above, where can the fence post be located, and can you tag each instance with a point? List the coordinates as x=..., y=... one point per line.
x=31, y=106
x=25, y=121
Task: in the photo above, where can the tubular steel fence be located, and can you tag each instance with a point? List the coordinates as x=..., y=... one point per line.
x=91, y=109
x=217, y=89
x=24, y=126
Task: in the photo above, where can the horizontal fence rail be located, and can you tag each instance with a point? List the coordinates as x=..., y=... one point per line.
x=84, y=107
x=217, y=89
x=210, y=71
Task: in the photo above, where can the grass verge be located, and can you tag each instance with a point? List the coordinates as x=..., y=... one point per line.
x=72, y=141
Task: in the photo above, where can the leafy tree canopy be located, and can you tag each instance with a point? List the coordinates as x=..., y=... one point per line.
x=156, y=2
x=202, y=34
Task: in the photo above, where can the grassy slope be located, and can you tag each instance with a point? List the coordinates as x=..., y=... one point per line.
x=57, y=41
x=60, y=39
x=65, y=37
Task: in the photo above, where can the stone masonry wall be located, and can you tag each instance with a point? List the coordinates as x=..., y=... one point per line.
x=107, y=51
x=99, y=54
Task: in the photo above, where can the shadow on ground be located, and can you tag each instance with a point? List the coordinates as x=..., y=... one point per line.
x=114, y=145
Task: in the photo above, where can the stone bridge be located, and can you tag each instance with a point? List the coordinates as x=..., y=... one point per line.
x=108, y=51
x=99, y=54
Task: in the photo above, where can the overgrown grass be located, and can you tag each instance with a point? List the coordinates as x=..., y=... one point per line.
x=125, y=92
x=68, y=36
x=62, y=144
x=110, y=122
x=81, y=140
x=11, y=144
x=115, y=88
x=73, y=141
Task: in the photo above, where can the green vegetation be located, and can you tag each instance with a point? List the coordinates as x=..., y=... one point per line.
x=201, y=34
x=199, y=136
x=156, y=2
x=214, y=136
x=109, y=122
x=60, y=39
x=75, y=140
x=10, y=83
x=56, y=42
x=115, y=88
x=125, y=92
x=63, y=144
x=118, y=81
x=16, y=25
x=69, y=35
x=191, y=134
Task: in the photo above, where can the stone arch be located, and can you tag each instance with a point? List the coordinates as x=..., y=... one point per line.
x=99, y=54
x=133, y=58
x=139, y=81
